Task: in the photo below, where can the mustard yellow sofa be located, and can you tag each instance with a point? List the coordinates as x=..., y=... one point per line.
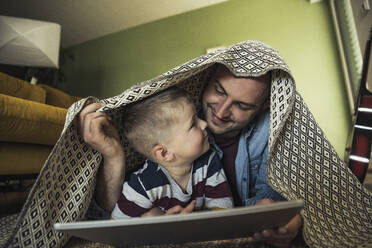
x=31, y=120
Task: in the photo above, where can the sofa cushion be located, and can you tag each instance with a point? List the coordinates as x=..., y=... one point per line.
x=21, y=158
x=19, y=88
x=57, y=97
x=30, y=122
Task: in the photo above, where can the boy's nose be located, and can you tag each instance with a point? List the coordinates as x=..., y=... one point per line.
x=203, y=124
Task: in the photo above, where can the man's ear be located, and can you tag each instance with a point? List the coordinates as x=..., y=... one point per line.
x=162, y=154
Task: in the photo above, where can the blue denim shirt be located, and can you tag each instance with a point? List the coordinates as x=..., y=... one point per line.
x=250, y=162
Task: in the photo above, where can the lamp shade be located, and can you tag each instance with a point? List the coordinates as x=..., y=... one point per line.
x=29, y=42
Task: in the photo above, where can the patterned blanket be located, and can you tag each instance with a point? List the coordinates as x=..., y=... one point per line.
x=302, y=164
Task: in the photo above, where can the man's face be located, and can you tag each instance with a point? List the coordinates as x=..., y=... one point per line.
x=230, y=103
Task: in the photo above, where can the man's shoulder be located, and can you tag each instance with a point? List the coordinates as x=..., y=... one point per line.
x=262, y=119
x=263, y=122
x=260, y=124
x=258, y=137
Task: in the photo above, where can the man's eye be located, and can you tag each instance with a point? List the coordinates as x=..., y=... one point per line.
x=243, y=107
x=219, y=92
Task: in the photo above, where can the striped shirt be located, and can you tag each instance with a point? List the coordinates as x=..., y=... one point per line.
x=152, y=186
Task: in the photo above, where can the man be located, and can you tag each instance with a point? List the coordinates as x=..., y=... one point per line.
x=236, y=111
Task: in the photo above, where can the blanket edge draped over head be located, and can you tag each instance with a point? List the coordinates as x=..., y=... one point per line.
x=302, y=164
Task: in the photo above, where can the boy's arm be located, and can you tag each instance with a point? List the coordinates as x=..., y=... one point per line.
x=217, y=190
x=133, y=200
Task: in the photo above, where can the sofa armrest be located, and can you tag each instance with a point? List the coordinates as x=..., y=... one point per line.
x=30, y=122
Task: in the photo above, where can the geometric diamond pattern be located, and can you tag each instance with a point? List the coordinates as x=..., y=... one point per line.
x=302, y=164
x=337, y=210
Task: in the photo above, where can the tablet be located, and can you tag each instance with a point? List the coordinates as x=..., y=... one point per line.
x=197, y=226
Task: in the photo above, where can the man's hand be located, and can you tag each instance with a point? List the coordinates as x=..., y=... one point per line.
x=97, y=130
x=283, y=236
x=174, y=210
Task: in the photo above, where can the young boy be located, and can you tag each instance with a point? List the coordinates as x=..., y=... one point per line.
x=181, y=170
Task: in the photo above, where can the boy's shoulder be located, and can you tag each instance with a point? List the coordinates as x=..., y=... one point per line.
x=209, y=158
x=150, y=176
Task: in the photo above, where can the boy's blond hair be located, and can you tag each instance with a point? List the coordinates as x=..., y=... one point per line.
x=146, y=122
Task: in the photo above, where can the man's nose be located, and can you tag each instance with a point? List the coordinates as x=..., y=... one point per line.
x=223, y=109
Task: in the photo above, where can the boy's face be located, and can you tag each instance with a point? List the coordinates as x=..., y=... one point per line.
x=230, y=103
x=188, y=135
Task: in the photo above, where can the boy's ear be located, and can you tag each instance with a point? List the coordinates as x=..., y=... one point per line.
x=162, y=154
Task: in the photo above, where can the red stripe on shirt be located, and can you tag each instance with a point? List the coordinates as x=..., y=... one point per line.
x=130, y=208
x=219, y=191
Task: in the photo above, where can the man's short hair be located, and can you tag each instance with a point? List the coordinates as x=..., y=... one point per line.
x=146, y=122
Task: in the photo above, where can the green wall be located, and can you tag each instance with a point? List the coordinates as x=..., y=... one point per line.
x=301, y=32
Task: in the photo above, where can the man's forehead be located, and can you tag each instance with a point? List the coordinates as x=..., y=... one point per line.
x=221, y=69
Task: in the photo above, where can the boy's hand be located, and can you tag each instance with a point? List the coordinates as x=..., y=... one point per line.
x=174, y=210
x=153, y=212
x=282, y=236
x=181, y=210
